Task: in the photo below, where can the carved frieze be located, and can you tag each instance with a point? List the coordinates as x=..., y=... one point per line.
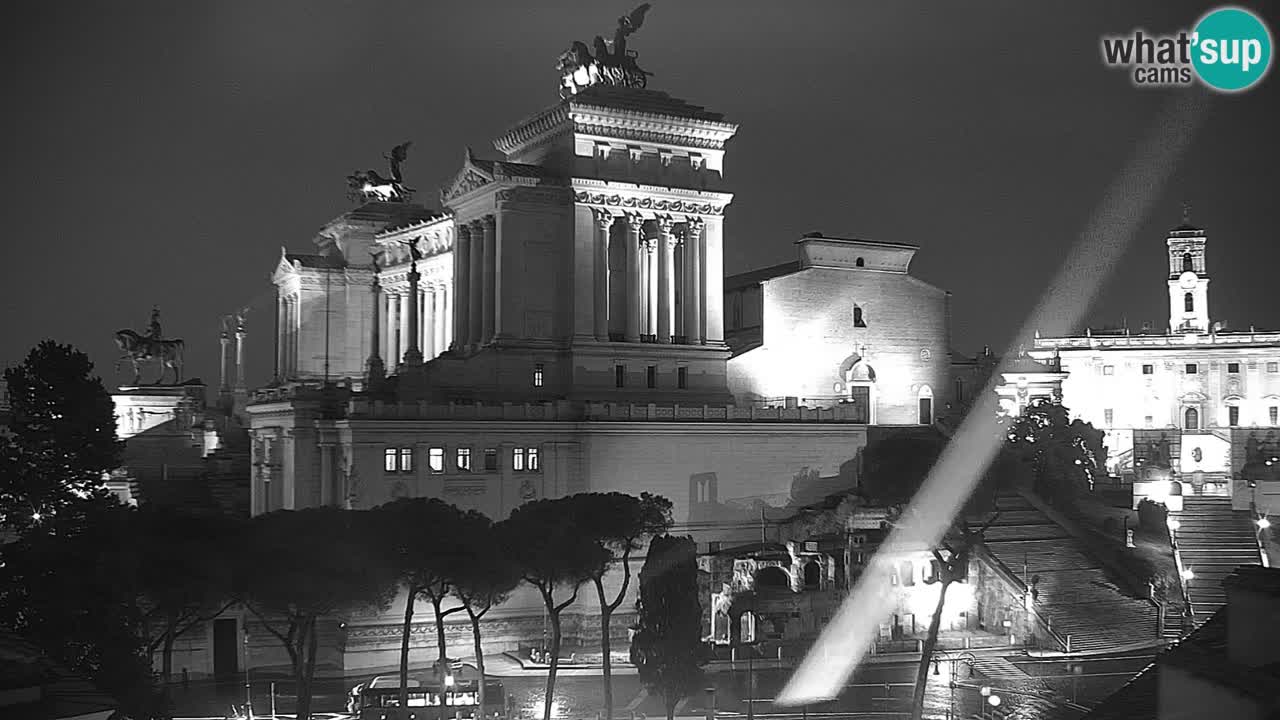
x=650, y=136
x=679, y=206
x=537, y=195
x=466, y=182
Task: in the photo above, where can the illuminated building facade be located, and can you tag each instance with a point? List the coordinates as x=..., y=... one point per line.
x=1194, y=403
x=559, y=327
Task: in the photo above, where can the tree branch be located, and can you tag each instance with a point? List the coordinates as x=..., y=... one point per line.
x=572, y=599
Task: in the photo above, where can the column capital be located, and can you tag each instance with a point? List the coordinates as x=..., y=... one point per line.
x=488, y=222
x=693, y=224
x=665, y=224
x=634, y=221
x=463, y=231
x=604, y=219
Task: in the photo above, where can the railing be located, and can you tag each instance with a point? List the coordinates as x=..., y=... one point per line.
x=1042, y=620
x=1093, y=341
x=596, y=411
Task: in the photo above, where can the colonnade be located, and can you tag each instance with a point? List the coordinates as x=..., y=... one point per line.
x=435, y=325
x=475, y=281
x=289, y=323
x=661, y=256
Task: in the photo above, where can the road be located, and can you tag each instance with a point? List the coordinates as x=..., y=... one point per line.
x=881, y=691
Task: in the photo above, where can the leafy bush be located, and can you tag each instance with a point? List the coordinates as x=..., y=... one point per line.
x=1153, y=517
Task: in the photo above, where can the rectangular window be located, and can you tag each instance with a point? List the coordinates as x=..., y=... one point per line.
x=1148, y=421
x=1192, y=369
x=682, y=377
x=517, y=459
x=1108, y=416
x=406, y=459
x=1273, y=367
x=1233, y=368
x=651, y=376
x=1148, y=369
x=531, y=459
x=620, y=375
x=435, y=459
x=537, y=375
x=389, y=460
x=1233, y=415
x=1108, y=369
x=464, y=459
x=1273, y=414
x=490, y=459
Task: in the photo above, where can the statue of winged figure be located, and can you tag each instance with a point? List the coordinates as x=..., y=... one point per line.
x=614, y=65
x=627, y=24
x=369, y=185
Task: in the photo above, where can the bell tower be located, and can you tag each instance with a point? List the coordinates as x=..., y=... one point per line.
x=1188, y=278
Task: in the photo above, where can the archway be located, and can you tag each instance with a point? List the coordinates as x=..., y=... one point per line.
x=812, y=575
x=772, y=577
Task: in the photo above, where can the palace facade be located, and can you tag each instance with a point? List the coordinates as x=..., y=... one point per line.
x=1188, y=409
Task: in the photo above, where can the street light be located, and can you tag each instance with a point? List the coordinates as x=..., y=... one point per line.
x=1174, y=524
x=1263, y=523
x=1187, y=575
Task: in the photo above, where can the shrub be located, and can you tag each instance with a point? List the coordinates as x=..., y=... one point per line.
x=1152, y=516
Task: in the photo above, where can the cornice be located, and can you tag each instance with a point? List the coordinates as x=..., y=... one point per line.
x=671, y=129
x=534, y=130
x=625, y=196
x=536, y=195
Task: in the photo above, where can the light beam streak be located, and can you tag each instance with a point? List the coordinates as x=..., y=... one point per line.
x=848, y=638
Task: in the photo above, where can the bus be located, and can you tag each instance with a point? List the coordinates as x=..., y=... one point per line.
x=379, y=699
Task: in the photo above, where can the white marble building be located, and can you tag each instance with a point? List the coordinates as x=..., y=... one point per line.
x=1192, y=390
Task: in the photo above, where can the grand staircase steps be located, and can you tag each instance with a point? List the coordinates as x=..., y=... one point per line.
x=1213, y=540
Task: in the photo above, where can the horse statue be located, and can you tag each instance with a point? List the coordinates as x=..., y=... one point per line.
x=138, y=349
x=366, y=185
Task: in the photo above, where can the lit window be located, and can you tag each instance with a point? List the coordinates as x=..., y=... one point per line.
x=490, y=459
x=620, y=375
x=435, y=459
x=682, y=377
x=464, y=460
x=1148, y=369
x=406, y=459
x=651, y=376
x=1273, y=414
x=1148, y=421
x=1273, y=367
x=1233, y=368
x=1108, y=416
x=1192, y=369
x=1233, y=415
x=531, y=459
x=517, y=459
x=537, y=375
x=1108, y=369
x=389, y=460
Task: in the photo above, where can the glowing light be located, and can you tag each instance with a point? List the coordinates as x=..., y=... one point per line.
x=1187, y=574
x=35, y=516
x=448, y=682
x=985, y=691
x=848, y=638
x=1174, y=524
x=1263, y=523
x=994, y=700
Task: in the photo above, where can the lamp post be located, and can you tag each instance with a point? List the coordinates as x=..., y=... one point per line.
x=942, y=656
x=248, y=693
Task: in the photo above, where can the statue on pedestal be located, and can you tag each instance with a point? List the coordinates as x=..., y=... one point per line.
x=152, y=347
x=580, y=69
x=369, y=185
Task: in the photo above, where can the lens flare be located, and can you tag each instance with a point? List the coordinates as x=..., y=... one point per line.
x=848, y=638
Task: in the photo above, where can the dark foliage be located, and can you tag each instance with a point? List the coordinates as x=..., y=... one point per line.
x=1153, y=517
x=667, y=648
x=1065, y=456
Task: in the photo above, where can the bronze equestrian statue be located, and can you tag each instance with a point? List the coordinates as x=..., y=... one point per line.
x=152, y=347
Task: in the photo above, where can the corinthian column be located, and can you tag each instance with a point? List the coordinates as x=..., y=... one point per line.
x=475, y=301
x=461, y=284
x=634, y=224
x=651, y=287
x=412, y=353
x=693, y=281
x=604, y=221
x=489, y=278
x=375, y=371
x=666, y=279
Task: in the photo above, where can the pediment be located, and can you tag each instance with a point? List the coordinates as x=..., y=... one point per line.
x=470, y=178
x=1192, y=397
x=284, y=267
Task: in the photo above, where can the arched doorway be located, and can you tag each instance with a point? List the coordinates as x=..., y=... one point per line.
x=1191, y=419
x=772, y=577
x=812, y=575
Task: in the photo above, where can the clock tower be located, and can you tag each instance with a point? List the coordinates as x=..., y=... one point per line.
x=1188, y=278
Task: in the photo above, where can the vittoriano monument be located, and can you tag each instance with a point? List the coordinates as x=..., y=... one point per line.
x=609, y=65
x=151, y=347
x=367, y=185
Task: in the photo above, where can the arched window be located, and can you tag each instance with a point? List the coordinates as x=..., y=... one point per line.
x=772, y=577
x=858, y=320
x=859, y=262
x=908, y=574
x=1192, y=418
x=1188, y=302
x=812, y=574
x=1187, y=264
x=925, y=401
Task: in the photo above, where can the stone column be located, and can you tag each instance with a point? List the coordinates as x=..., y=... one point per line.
x=224, y=341
x=461, y=284
x=489, y=278
x=446, y=317
x=393, y=323
x=428, y=322
x=475, y=298
x=291, y=349
x=651, y=278
x=403, y=338
x=666, y=279
x=375, y=371
x=281, y=324
x=693, y=281
x=240, y=333
x=634, y=224
x=604, y=221
x=413, y=352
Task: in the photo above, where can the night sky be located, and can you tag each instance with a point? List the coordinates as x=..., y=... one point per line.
x=161, y=152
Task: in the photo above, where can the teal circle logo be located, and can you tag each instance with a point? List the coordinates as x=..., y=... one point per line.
x=1231, y=49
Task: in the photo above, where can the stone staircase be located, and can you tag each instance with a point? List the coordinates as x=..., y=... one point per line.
x=1213, y=540
x=1072, y=588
